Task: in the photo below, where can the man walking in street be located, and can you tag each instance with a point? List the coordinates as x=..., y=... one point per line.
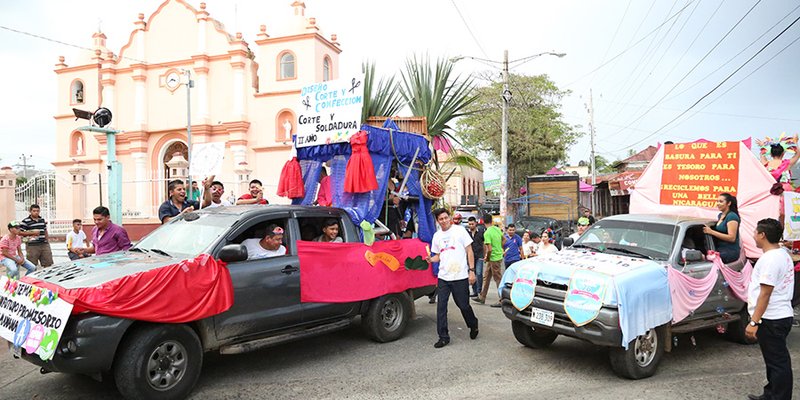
x=452, y=249
x=493, y=255
x=769, y=302
x=107, y=237
x=476, y=233
x=37, y=250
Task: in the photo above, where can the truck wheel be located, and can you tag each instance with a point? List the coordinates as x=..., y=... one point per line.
x=641, y=358
x=158, y=362
x=735, y=329
x=387, y=317
x=533, y=338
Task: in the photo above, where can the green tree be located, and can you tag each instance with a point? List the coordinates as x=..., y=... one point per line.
x=437, y=94
x=538, y=138
x=602, y=165
x=382, y=98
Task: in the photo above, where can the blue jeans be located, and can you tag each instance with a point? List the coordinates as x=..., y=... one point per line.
x=476, y=288
x=12, y=269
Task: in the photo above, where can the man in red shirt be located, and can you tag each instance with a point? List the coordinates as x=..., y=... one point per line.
x=256, y=195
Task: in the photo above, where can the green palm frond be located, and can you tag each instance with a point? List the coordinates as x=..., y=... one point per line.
x=462, y=159
x=437, y=94
x=381, y=100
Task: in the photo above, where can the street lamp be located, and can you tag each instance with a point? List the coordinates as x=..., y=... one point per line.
x=506, y=95
x=98, y=121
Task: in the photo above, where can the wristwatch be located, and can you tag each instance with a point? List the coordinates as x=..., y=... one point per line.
x=754, y=323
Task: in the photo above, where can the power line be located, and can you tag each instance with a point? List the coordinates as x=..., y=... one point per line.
x=740, y=81
x=705, y=112
x=718, y=85
x=629, y=47
x=469, y=29
x=613, y=38
x=701, y=80
x=692, y=69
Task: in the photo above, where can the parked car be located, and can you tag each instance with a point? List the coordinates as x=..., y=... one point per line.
x=539, y=224
x=163, y=361
x=670, y=241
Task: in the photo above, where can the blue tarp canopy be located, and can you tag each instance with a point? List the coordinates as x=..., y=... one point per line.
x=385, y=145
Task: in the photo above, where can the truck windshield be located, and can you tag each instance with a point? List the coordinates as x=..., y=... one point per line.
x=650, y=240
x=187, y=237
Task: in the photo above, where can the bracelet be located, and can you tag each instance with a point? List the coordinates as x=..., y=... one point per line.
x=472, y=270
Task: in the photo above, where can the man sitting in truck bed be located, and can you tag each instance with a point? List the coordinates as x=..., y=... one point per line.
x=269, y=246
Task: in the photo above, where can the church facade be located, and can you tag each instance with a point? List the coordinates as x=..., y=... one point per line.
x=243, y=95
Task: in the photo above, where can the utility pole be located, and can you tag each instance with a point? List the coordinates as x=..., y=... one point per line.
x=591, y=136
x=189, y=84
x=24, y=164
x=504, y=143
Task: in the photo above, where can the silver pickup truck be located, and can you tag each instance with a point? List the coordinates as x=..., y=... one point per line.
x=671, y=241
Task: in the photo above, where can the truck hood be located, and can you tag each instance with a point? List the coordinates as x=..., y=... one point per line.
x=558, y=267
x=97, y=270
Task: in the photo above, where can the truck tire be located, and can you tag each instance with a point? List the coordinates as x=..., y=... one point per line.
x=533, y=338
x=642, y=357
x=158, y=362
x=387, y=317
x=735, y=330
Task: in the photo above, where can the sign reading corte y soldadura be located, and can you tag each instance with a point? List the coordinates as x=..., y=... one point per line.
x=32, y=318
x=696, y=173
x=330, y=112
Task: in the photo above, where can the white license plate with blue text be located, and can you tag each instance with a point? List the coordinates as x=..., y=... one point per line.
x=542, y=317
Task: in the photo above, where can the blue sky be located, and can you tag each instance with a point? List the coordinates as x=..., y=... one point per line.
x=590, y=32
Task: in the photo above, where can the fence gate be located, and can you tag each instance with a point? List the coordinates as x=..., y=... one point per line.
x=41, y=190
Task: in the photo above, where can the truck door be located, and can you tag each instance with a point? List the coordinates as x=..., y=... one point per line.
x=694, y=239
x=266, y=291
x=309, y=224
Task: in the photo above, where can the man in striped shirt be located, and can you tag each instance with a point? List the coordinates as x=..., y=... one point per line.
x=37, y=250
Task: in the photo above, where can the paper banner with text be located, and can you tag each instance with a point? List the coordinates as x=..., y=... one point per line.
x=31, y=318
x=695, y=174
x=207, y=159
x=791, y=222
x=686, y=179
x=330, y=112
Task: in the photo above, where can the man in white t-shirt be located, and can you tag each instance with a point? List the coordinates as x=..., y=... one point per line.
x=76, y=241
x=769, y=302
x=452, y=249
x=217, y=190
x=270, y=246
x=583, y=225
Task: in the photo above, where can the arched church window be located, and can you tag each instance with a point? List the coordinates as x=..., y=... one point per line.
x=284, y=124
x=326, y=69
x=77, y=145
x=76, y=92
x=287, y=67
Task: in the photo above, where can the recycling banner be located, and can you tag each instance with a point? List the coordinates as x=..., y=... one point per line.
x=32, y=318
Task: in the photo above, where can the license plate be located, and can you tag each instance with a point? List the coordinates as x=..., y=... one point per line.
x=542, y=317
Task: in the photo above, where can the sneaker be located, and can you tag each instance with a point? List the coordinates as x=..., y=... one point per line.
x=479, y=300
x=473, y=333
x=496, y=305
x=441, y=343
x=473, y=295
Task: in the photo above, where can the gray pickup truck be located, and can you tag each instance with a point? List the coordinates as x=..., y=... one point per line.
x=672, y=241
x=163, y=361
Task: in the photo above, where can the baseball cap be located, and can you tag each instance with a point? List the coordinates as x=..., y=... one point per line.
x=583, y=221
x=13, y=224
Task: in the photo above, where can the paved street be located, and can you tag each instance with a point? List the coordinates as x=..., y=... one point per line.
x=347, y=365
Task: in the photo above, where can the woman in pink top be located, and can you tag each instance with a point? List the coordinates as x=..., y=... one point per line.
x=11, y=252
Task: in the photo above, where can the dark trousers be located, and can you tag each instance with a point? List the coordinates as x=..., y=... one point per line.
x=460, y=290
x=772, y=340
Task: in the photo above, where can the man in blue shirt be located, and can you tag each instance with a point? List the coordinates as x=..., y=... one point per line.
x=512, y=246
x=177, y=203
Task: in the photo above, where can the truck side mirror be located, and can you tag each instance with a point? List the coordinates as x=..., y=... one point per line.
x=233, y=253
x=692, y=255
x=567, y=241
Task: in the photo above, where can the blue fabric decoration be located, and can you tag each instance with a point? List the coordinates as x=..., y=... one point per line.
x=385, y=145
x=311, y=171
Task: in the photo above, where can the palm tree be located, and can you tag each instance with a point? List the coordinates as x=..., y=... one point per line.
x=381, y=100
x=437, y=95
